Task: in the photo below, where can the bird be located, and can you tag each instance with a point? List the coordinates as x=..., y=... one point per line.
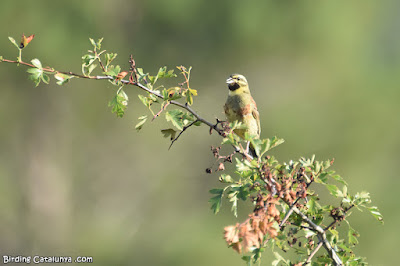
x=240, y=106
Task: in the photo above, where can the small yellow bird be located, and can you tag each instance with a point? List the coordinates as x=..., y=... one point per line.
x=241, y=106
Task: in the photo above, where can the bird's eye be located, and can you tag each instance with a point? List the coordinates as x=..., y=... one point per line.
x=238, y=78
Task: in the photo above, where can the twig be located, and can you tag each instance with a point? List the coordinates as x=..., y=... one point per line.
x=51, y=70
x=180, y=133
x=162, y=109
x=322, y=236
x=98, y=57
x=135, y=83
x=313, y=253
x=291, y=207
x=335, y=221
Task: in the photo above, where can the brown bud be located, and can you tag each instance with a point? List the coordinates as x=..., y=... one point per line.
x=221, y=167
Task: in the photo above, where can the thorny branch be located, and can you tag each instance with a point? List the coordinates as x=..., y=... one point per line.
x=129, y=82
x=321, y=236
x=180, y=133
x=313, y=253
x=133, y=80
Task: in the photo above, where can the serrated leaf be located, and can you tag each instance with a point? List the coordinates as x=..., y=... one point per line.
x=352, y=236
x=109, y=57
x=333, y=190
x=142, y=120
x=36, y=63
x=144, y=100
x=313, y=205
x=119, y=103
x=232, y=196
x=375, y=212
x=176, y=117
x=189, y=96
x=339, y=179
x=98, y=44
x=216, y=201
x=169, y=133
x=113, y=71
x=216, y=191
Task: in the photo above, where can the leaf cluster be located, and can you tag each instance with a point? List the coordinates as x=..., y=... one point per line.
x=276, y=189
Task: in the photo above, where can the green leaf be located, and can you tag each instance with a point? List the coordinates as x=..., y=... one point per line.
x=162, y=73
x=144, y=100
x=322, y=178
x=62, y=78
x=375, y=212
x=216, y=201
x=232, y=196
x=189, y=95
x=333, y=190
x=352, y=236
x=109, y=57
x=313, y=206
x=309, y=233
x=173, y=93
x=171, y=133
x=36, y=63
x=324, y=260
x=92, y=42
x=12, y=40
x=225, y=178
x=36, y=75
x=113, y=71
x=88, y=59
x=176, y=117
x=119, y=103
x=361, y=198
x=142, y=120
x=87, y=64
x=247, y=259
x=339, y=179
x=279, y=259
x=275, y=141
x=45, y=78
x=96, y=45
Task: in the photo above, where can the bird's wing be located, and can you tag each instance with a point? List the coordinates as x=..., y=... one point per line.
x=256, y=116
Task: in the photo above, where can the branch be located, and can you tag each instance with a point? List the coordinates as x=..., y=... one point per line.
x=293, y=205
x=135, y=83
x=161, y=110
x=321, y=236
x=180, y=133
x=335, y=221
x=313, y=253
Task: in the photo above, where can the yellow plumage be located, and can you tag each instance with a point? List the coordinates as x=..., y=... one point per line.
x=241, y=106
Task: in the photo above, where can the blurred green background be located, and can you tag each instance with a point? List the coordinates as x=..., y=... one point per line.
x=77, y=181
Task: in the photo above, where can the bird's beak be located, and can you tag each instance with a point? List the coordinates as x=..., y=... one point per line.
x=230, y=81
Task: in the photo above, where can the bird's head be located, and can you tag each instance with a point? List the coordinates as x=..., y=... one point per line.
x=237, y=84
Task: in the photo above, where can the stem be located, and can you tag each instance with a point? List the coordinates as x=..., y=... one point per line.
x=137, y=84
x=19, y=59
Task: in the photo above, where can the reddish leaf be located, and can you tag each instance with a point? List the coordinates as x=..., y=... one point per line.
x=26, y=40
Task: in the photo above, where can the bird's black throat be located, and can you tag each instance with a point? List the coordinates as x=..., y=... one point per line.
x=233, y=86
